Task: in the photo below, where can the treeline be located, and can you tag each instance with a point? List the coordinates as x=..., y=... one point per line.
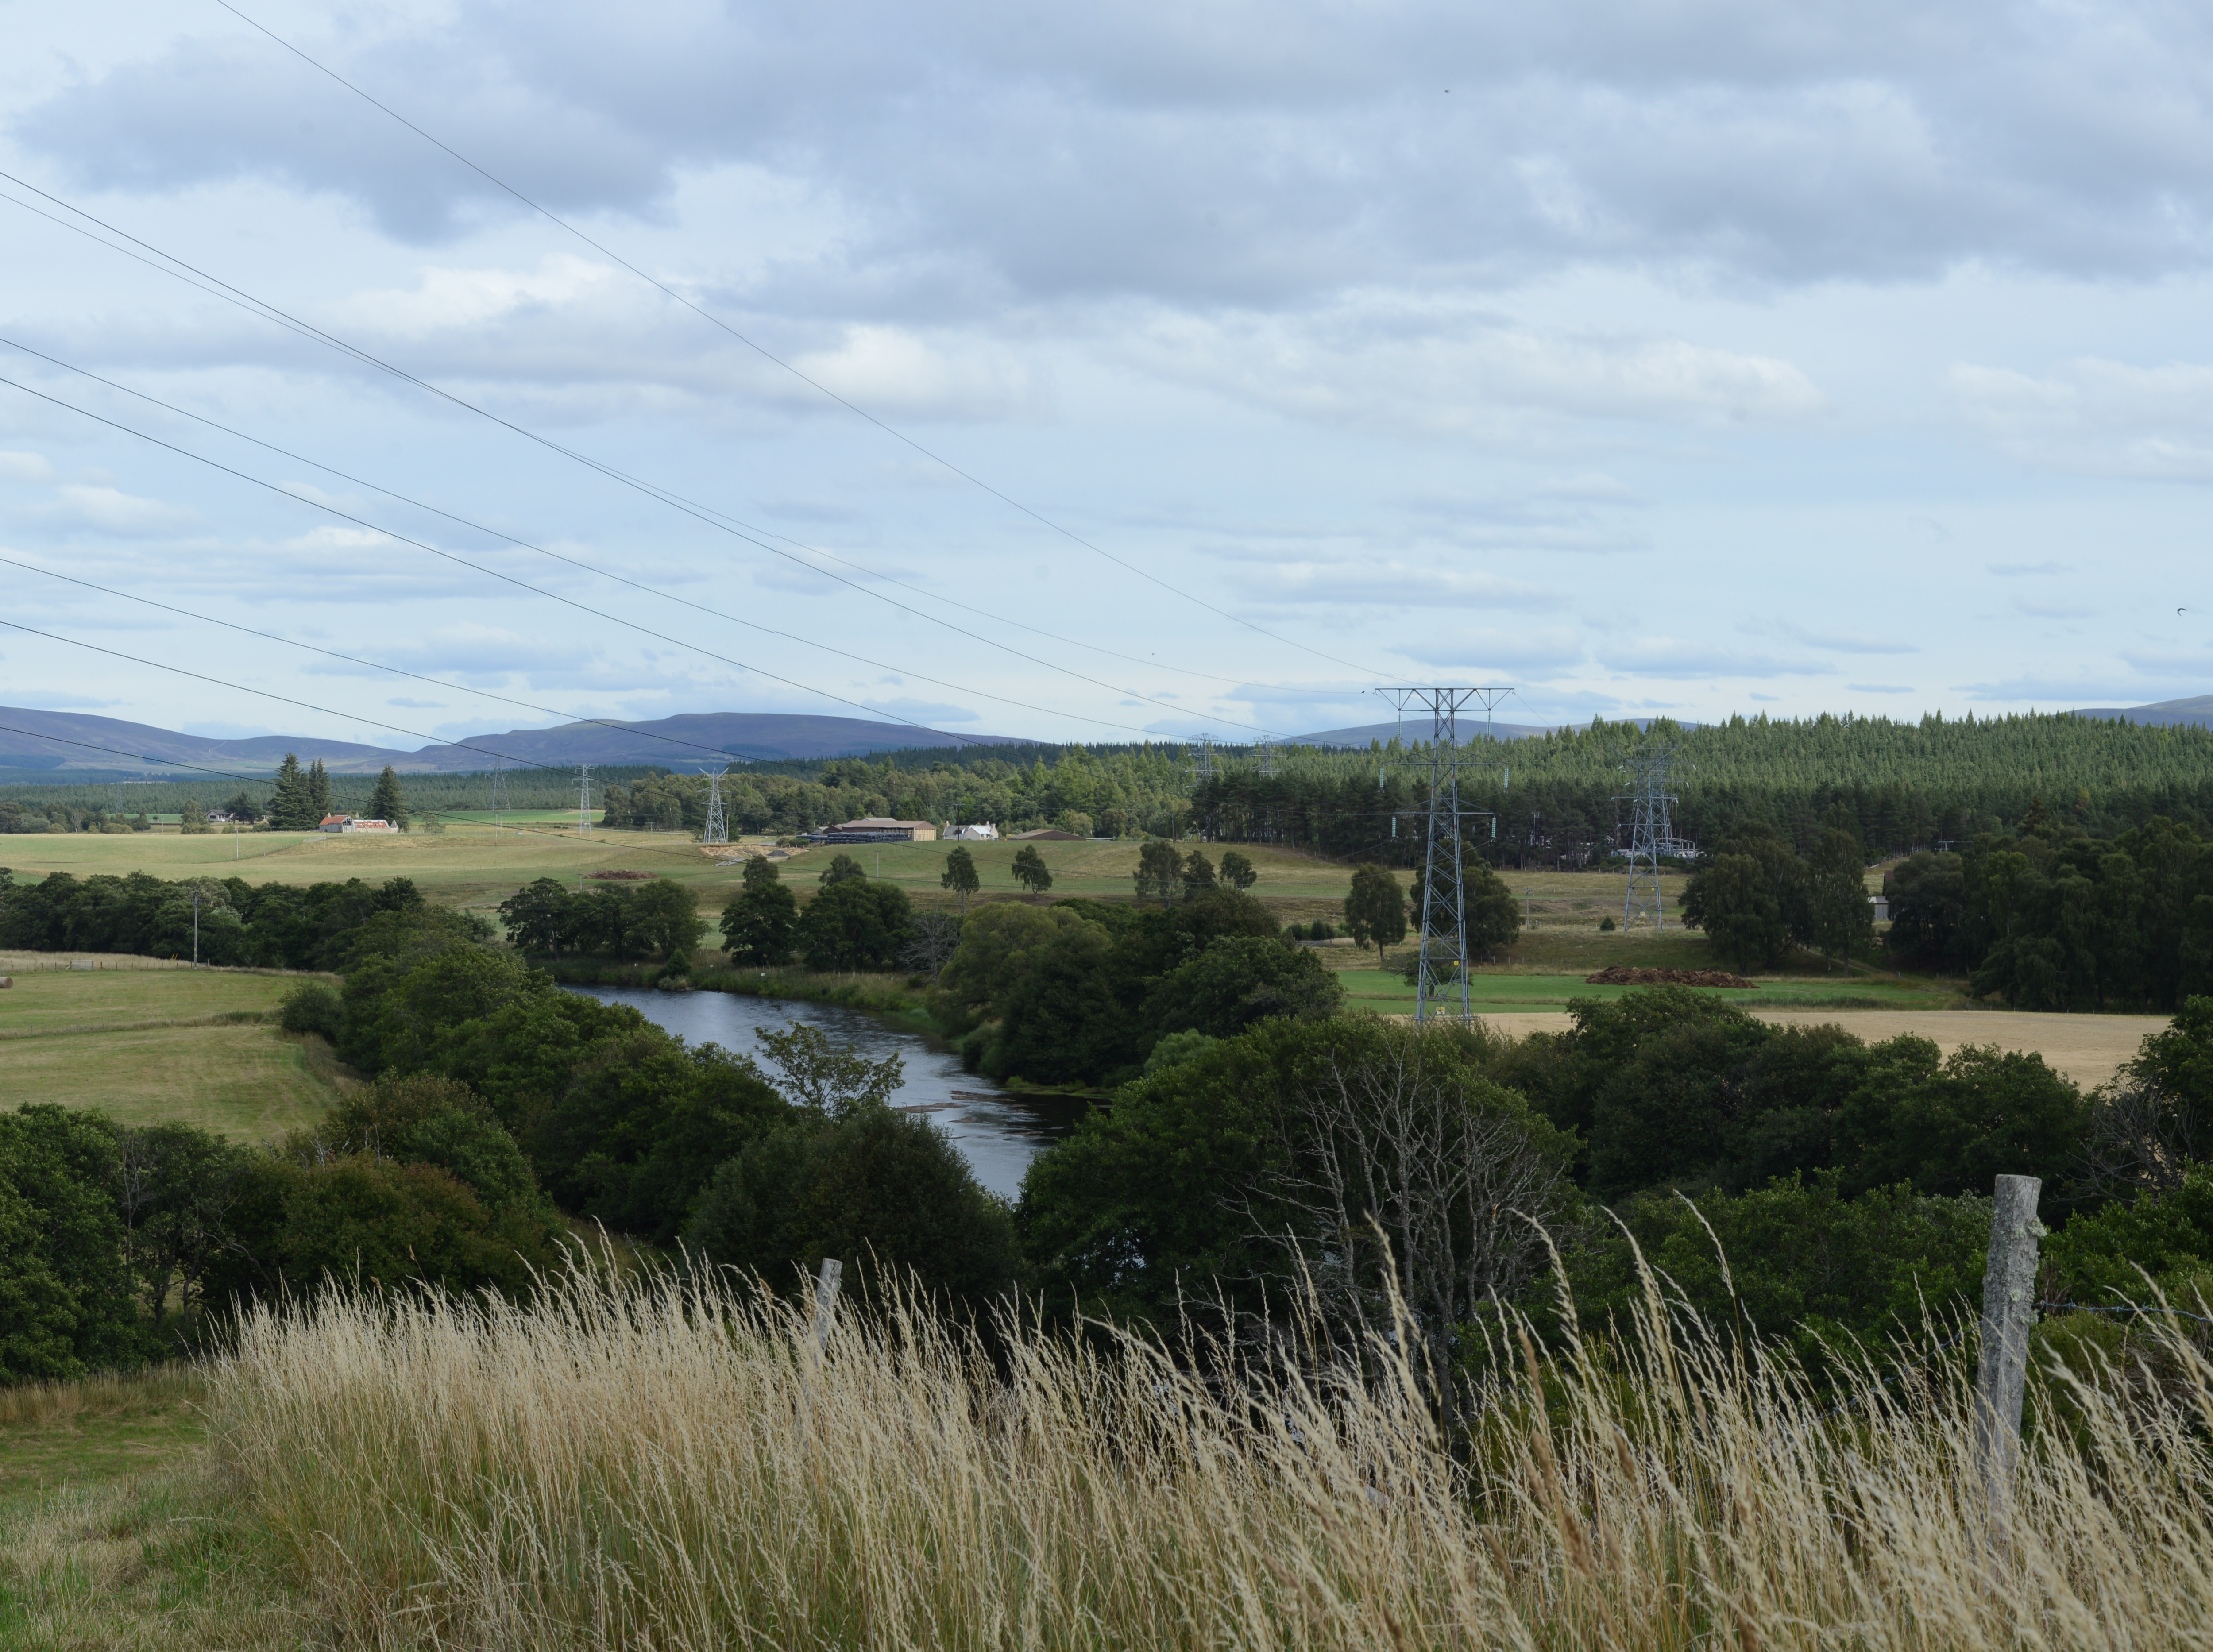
x=499, y=1103
x=1260, y=1142
x=268, y=926
x=1846, y=1181
x=126, y=798
x=1107, y=792
x=1903, y=785
x=2055, y=918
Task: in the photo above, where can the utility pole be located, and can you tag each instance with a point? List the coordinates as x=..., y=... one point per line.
x=498, y=801
x=196, y=926
x=1441, y=962
x=718, y=830
x=584, y=800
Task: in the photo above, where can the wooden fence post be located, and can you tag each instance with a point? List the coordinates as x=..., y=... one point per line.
x=2008, y=1309
x=825, y=1304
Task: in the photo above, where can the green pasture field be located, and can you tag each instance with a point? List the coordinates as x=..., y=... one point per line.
x=1507, y=991
x=471, y=864
x=195, y=1046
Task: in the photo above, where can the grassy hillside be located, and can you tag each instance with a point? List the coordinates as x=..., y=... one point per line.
x=199, y=1047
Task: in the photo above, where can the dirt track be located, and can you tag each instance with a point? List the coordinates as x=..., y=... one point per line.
x=2088, y=1049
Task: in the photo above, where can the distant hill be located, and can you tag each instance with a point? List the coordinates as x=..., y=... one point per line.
x=2197, y=712
x=66, y=740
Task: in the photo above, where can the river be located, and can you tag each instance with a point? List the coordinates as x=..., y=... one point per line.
x=998, y=1133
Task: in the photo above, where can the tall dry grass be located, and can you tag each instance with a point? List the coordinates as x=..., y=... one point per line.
x=644, y=1464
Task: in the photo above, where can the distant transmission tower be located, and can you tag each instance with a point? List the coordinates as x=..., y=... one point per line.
x=1651, y=834
x=497, y=804
x=1202, y=774
x=1267, y=759
x=1441, y=964
x=718, y=830
x=584, y=800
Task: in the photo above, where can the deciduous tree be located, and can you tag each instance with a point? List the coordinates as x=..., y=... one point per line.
x=1375, y=909
x=1031, y=871
x=960, y=874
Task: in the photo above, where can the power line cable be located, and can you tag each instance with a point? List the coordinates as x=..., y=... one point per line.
x=332, y=653
x=770, y=356
x=741, y=531
x=173, y=763
x=285, y=700
x=539, y=590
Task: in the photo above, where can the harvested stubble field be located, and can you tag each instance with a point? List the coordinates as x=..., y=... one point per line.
x=649, y=1467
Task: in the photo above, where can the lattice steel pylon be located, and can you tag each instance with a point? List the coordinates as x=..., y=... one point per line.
x=1651, y=835
x=718, y=829
x=1441, y=967
x=583, y=800
x=496, y=804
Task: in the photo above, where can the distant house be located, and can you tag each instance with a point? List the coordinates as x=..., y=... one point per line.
x=984, y=833
x=877, y=829
x=352, y=823
x=1881, y=906
x=1046, y=835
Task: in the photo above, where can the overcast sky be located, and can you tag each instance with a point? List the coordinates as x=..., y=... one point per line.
x=1649, y=356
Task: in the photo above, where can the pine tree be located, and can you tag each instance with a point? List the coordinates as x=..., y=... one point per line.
x=317, y=788
x=387, y=802
x=287, y=805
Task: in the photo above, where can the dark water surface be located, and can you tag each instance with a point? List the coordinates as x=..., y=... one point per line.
x=999, y=1133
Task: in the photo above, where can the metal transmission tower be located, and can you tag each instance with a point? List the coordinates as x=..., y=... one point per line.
x=498, y=801
x=583, y=800
x=1651, y=834
x=718, y=830
x=1202, y=775
x=1440, y=970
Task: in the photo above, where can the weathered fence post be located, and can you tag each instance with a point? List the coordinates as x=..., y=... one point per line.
x=825, y=1304
x=2008, y=1309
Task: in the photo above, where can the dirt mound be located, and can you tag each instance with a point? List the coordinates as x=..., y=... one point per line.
x=1623, y=975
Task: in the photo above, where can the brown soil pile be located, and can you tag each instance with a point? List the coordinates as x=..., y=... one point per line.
x=1623, y=975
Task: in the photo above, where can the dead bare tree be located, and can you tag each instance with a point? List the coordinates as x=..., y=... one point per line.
x=2142, y=1138
x=1406, y=1164
x=935, y=937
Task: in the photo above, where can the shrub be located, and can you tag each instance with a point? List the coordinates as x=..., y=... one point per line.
x=312, y=1007
x=883, y=1191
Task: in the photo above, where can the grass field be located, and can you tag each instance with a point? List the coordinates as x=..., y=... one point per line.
x=470, y=864
x=1490, y=990
x=197, y=1047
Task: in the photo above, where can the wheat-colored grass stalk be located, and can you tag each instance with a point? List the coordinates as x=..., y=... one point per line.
x=653, y=1463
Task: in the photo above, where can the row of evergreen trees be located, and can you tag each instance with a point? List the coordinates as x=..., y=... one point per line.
x=302, y=798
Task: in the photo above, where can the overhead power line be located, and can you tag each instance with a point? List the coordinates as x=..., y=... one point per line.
x=590, y=568
x=762, y=351
x=601, y=614
x=166, y=762
x=373, y=665
x=283, y=699
x=706, y=515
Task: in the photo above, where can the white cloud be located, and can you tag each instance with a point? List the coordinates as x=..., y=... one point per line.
x=110, y=510
x=1691, y=659
x=2097, y=417
x=1879, y=688
x=1539, y=649
x=1394, y=584
x=1447, y=370
x=25, y=468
